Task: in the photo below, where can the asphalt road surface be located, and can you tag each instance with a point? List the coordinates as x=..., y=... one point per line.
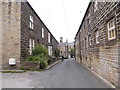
x=66, y=74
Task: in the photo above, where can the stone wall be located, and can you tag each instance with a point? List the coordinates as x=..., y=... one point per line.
x=0, y=35
x=10, y=32
x=77, y=48
x=16, y=32
x=102, y=57
x=35, y=33
x=29, y=65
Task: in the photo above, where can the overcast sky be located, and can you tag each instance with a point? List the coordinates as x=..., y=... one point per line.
x=62, y=17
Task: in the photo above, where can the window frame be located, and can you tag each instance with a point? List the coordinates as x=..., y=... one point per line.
x=85, y=43
x=111, y=29
x=97, y=41
x=90, y=40
x=33, y=44
x=95, y=6
x=43, y=33
x=30, y=46
x=50, y=50
x=88, y=18
x=49, y=37
x=31, y=22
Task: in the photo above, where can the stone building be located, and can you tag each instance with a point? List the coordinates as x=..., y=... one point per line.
x=0, y=36
x=65, y=48
x=97, y=41
x=22, y=30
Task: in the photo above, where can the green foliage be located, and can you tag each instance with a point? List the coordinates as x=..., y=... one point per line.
x=40, y=55
x=50, y=60
x=43, y=64
x=57, y=53
x=22, y=68
x=33, y=59
x=40, y=50
x=13, y=71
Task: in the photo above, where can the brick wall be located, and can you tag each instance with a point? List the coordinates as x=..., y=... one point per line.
x=102, y=57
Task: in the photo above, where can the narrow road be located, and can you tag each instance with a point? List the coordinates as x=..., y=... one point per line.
x=67, y=74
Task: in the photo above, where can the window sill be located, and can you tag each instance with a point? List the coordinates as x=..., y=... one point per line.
x=97, y=42
x=111, y=38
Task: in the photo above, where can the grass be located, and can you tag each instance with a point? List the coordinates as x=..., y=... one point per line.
x=13, y=71
x=39, y=70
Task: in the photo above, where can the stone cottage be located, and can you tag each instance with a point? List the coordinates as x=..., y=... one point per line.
x=97, y=41
x=22, y=30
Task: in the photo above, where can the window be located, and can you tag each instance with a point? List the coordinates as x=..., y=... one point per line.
x=111, y=29
x=33, y=46
x=50, y=50
x=97, y=37
x=85, y=43
x=88, y=21
x=30, y=46
x=84, y=25
x=49, y=37
x=88, y=18
x=42, y=32
x=90, y=40
x=31, y=22
x=95, y=5
x=82, y=44
x=38, y=41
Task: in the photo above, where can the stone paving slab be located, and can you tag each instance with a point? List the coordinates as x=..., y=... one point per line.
x=16, y=80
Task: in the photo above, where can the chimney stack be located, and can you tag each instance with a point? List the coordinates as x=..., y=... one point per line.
x=61, y=39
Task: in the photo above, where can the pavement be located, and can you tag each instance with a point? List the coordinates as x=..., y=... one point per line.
x=0, y=81
x=65, y=74
x=16, y=80
x=50, y=66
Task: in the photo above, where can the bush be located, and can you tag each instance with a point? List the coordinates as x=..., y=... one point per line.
x=22, y=68
x=40, y=55
x=40, y=50
x=50, y=60
x=34, y=59
x=43, y=64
